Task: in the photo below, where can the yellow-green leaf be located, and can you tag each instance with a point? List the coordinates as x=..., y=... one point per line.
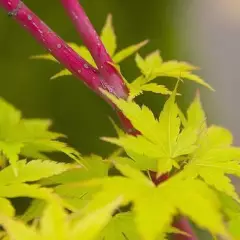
x=108, y=36
x=18, y=230
x=92, y=224
x=6, y=208
x=32, y=171
x=54, y=223
x=128, y=51
x=62, y=73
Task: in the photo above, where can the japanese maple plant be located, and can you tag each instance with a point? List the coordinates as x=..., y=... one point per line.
x=168, y=170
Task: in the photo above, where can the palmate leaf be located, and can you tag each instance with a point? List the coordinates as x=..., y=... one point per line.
x=76, y=197
x=12, y=186
x=18, y=230
x=153, y=66
x=6, y=207
x=34, y=210
x=90, y=226
x=32, y=171
x=121, y=227
x=162, y=140
x=231, y=209
x=109, y=40
x=95, y=166
x=139, y=85
x=57, y=224
x=28, y=137
x=194, y=127
x=23, y=190
x=214, y=159
x=26, y=190
x=158, y=204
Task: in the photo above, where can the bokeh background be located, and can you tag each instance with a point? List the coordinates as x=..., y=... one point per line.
x=205, y=33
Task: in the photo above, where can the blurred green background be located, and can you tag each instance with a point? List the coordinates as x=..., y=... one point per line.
x=74, y=109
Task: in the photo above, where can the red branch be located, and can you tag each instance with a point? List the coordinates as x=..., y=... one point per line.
x=105, y=76
x=53, y=43
x=113, y=80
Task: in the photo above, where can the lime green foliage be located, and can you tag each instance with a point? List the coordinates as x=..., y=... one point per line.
x=109, y=40
x=199, y=158
x=160, y=204
x=12, y=186
x=57, y=224
x=121, y=227
x=232, y=211
x=114, y=197
x=75, y=196
x=28, y=137
x=167, y=144
x=162, y=140
x=151, y=67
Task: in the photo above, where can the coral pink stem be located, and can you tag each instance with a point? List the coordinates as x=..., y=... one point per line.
x=113, y=80
x=53, y=43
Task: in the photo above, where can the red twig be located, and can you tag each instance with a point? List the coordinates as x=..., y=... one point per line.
x=113, y=80
x=53, y=43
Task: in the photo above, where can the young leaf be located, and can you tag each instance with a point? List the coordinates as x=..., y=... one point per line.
x=194, y=126
x=28, y=137
x=196, y=117
x=62, y=73
x=25, y=190
x=44, y=57
x=139, y=85
x=121, y=227
x=108, y=36
x=153, y=87
x=54, y=223
x=90, y=226
x=11, y=151
x=76, y=197
x=6, y=207
x=214, y=158
x=150, y=63
x=18, y=230
x=231, y=209
x=95, y=166
x=128, y=51
x=34, y=210
x=161, y=140
x=153, y=204
x=153, y=66
x=32, y=171
x=57, y=224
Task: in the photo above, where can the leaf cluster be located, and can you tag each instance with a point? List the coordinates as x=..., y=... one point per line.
x=116, y=197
